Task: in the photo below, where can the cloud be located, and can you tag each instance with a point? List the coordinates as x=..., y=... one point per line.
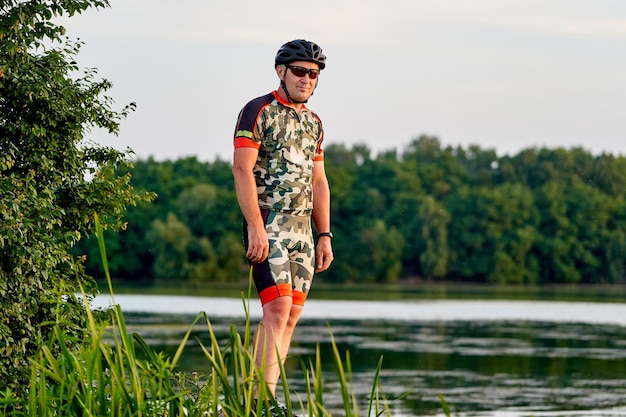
x=234, y=20
x=607, y=27
x=356, y=22
x=566, y=17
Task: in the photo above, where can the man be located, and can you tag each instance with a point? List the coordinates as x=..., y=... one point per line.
x=281, y=185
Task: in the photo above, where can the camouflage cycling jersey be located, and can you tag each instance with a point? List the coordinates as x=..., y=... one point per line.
x=288, y=142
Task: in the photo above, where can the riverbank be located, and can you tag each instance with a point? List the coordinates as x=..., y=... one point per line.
x=413, y=291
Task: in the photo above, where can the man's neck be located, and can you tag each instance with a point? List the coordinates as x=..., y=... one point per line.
x=285, y=100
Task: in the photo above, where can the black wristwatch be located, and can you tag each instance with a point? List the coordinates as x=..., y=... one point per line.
x=329, y=234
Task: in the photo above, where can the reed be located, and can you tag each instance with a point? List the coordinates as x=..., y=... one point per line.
x=116, y=373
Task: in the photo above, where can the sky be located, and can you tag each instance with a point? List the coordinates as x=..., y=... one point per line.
x=506, y=75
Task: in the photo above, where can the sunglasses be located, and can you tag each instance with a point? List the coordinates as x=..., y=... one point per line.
x=301, y=71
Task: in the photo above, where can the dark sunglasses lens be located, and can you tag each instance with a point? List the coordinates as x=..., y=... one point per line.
x=301, y=72
x=298, y=72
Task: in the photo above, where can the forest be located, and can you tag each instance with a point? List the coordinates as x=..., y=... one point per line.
x=423, y=213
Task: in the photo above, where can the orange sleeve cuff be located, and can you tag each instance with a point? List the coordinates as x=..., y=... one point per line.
x=241, y=142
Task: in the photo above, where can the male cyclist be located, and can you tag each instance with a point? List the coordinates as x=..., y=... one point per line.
x=281, y=185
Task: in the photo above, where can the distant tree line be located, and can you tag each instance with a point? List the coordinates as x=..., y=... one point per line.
x=430, y=212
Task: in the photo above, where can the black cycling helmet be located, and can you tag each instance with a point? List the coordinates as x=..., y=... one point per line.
x=300, y=50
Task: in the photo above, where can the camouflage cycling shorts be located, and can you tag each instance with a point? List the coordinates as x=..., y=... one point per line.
x=289, y=267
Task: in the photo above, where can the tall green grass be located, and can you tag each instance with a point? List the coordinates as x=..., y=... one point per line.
x=116, y=373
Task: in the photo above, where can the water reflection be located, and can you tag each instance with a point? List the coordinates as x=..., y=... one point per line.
x=483, y=366
x=491, y=365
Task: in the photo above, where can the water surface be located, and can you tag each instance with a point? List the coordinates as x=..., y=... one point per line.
x=488, y=358
x=553, y=311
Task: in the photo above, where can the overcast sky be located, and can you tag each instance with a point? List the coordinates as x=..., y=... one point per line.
x=502, y=74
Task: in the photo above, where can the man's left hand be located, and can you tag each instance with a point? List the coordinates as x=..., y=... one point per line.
x=323, y=254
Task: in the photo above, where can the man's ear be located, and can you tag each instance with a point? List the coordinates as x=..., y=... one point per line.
x=280, y=71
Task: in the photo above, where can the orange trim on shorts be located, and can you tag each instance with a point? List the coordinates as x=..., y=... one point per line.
x=299, y=297
x=273, y=292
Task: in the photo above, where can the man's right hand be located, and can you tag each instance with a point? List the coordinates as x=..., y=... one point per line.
x=258, y=244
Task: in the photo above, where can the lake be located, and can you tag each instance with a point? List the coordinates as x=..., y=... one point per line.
x=487, y=358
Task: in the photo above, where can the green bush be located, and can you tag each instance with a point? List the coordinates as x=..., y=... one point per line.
x=52, y=179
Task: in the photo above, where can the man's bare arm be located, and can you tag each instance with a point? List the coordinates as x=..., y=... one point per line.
x=321, y=217
x=245, y=186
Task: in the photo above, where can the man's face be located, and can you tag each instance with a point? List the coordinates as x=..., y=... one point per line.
x=299, y=83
